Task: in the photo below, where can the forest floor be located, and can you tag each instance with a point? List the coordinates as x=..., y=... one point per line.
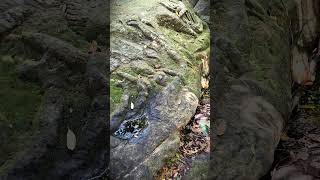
x=298, y=152
x=195, y=140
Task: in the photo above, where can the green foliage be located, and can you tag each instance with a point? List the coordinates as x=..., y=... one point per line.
x=173, y=160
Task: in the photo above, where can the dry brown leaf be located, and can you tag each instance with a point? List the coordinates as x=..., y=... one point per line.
x=204, y=83
x=205, y=66
x=188, y=152
x=195, y=129
x=207, y=149
x=284, y=137
x=208, y=145
x=93, y=46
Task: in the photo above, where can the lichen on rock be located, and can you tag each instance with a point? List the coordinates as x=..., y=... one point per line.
x=155, y=50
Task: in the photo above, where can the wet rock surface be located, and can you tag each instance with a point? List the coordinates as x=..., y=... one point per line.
x=131, y=128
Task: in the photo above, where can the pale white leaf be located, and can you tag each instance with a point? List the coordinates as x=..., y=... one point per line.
x=71, y=140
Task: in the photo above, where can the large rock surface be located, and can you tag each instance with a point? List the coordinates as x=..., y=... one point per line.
x=58, y=48
x=251, y=86
x=155, y=79
x=48, y=55
x=156, y=50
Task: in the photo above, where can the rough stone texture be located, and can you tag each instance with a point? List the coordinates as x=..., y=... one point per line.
x=307, y=22
x=251, y=83
x=305, y=37
x=199, y=167
x=203, y=9
x=49, y=51
x=155, y=56
x=154, y=62
x=250, y=86
x=193, y=2
x=87, y=20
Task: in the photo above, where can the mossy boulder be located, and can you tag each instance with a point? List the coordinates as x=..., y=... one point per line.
x=155, y=59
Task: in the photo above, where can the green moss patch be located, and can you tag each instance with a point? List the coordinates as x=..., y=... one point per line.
x=192, y=80
x=19, y=105
x=115, y=95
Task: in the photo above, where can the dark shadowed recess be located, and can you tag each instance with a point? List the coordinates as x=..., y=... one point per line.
x=54, y=78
